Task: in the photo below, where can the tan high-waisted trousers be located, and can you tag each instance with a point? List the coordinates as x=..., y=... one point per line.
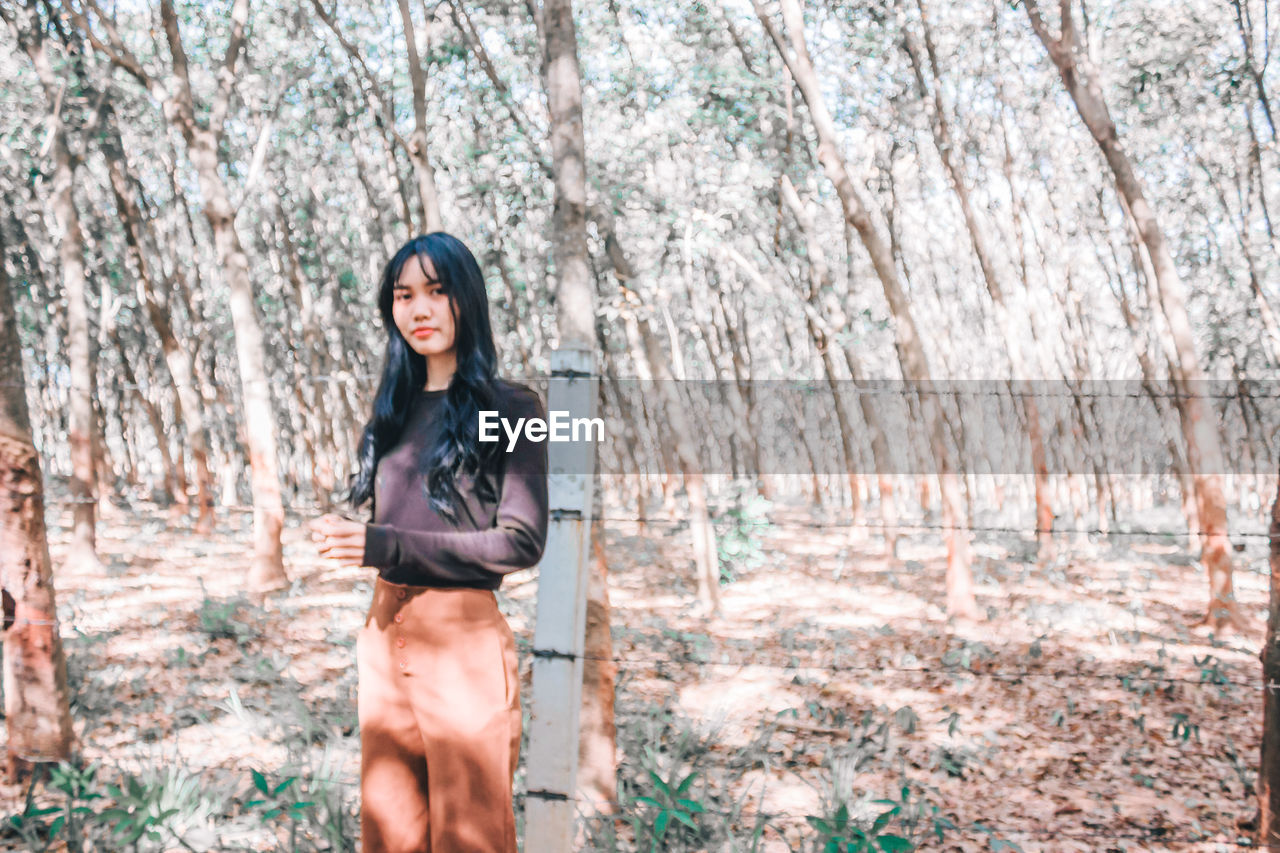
x=439, y=709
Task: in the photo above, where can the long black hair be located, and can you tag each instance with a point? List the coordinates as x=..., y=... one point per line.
x=457, y=451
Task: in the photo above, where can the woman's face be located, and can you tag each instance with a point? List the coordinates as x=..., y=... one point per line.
x=421, y=309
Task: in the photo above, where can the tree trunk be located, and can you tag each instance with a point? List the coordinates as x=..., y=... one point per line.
x=1204, y=450
x=597, y=785
x=885, y=478
x=152, y=413
x=155, y=299
x=313, y=360
x=915, y=363
x=418, y=152
x=820, y=331
x=1269, y=768
x=1022, y=364
x=653, y=366
x=81, y=427
x=36, y=703
x=266, y=572
x=558, y=681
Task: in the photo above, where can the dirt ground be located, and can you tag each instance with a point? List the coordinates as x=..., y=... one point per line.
x=1080, y=715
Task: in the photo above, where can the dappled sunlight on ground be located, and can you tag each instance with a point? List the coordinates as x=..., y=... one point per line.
x=1080, y=713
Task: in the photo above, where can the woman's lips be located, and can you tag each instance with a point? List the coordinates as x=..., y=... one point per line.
x=422, y=333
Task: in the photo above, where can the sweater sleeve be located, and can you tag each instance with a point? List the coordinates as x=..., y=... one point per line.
x=514, y=542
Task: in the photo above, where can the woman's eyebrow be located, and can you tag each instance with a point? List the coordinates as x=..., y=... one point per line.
x=430, y=279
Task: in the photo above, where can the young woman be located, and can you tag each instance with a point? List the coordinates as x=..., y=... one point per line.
x=439, y=696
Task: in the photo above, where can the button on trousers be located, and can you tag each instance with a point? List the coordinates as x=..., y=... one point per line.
x=439, y=708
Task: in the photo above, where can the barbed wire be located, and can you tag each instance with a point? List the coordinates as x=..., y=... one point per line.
x=1209, y=676
x=815, y=524
x=910, y=386
x=1211, y=681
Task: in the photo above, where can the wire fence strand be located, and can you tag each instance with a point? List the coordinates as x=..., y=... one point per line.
x=809, y=524
x=898, y=387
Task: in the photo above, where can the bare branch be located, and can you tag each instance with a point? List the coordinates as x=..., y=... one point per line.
x=1067, y=26
x=381, y=102
x=183, y=102
x=1038, y=25
x=227, y=74
x=117, y=53
x=462, y=20
x=774, y=35
x=416, y=78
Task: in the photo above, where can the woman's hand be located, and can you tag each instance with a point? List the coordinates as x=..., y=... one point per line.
x=339, y=539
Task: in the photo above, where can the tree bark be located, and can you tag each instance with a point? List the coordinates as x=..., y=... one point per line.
x=1269, y=766
x=154, y=297
x=914, y=360
x=81, y=427
x=417, y=148
x=1022, y=364
x=598, y=736
x=575, y=302
x=36, y=703
x=203, y=141
x=1204, y=451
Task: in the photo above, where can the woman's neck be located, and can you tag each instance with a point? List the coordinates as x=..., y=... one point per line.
x=440, y=369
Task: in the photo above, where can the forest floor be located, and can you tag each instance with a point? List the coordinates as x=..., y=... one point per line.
x=1081, y=714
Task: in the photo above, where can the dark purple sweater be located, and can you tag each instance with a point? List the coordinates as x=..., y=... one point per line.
x=409, y=543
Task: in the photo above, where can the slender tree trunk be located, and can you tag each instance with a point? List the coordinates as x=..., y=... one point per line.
x=155, y=299
x=266, y=571
x=418, y=151
x=597, y=740
x=36, y=703
x=652, y=365
x=1269, y=767
x=741, y=398
x=1023, y=364
x=81, y=432
x=313, y=360
x=741, y=442
x=152, y=413
x=885, y=478
x=1204, y=451
x=819, y=329
x=1240, y=227
x=915, y=364
x=1244, y=25
x=376, y=229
